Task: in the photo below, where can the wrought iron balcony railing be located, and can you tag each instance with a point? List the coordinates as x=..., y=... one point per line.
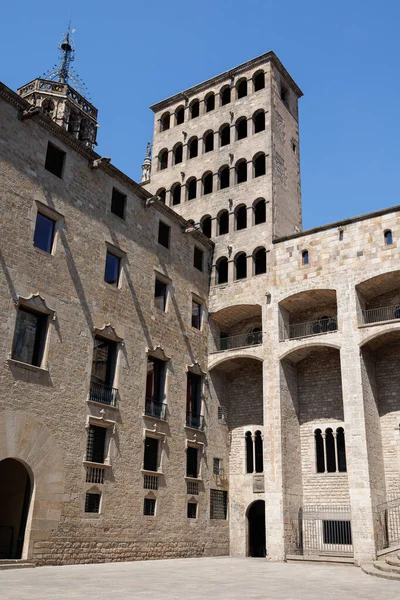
x=155, y=409
x=103, y=394
x=377, y=315
x=300, y=330
x=242, y=340
x=195, y=420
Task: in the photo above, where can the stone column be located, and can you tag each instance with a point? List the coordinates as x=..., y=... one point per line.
x=249, y=265
x=250, y=170
x=214, y=227
x=231, y=222
x=231, y=270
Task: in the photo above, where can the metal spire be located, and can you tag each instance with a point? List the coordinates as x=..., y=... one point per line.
x=63, y=72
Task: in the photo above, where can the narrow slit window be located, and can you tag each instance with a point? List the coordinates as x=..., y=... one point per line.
x=55, y=159
x=388, y=237
x=198, y=257
x=192, y=462
x=150, y=460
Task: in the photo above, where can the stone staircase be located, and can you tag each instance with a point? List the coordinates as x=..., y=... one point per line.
x=387, y=567
x=15, y=564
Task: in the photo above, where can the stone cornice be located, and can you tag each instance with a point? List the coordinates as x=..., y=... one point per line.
x=254, y=62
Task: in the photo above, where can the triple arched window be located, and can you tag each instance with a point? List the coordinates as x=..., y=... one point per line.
x=254, y=452
x=330, y=450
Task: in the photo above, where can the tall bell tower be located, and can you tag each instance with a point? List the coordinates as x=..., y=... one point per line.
x=62, y=95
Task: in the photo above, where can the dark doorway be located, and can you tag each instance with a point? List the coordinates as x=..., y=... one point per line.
x=15, y=496
x=256, y=519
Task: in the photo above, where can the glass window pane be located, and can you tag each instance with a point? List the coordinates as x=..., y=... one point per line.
x=44, y=233
x=26, y=330
x=111, y=274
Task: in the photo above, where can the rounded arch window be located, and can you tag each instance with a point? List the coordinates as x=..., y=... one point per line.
x=259, y=208
x=191, y=187
x=241, y=171
x=178, y=153
x=165, y=121
x=241, y=217
x=206, y=225
x=193, y=147
x=260, y=261
x=222, y=270
x=223, y=222
x=194, y=109
x=388, y=237
x=163, y=159
x=161, y=193
x=305, y=257
x=180, y=115
x=210, y=102
x=241, y=88
x=225, y=135
x=207, y=183
x=259, y=164
x=208, y=139
x=223, y=176
x=240, y=265
x=259, y=121
x=241, y=128
x=225, y=95
x=258, y=80
x=176, y=194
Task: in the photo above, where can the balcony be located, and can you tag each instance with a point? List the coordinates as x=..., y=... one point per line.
x=232, y=342
x=309, y=328
x=103, y=394
x=379, y=315
x=195, y=421
x=158, y=410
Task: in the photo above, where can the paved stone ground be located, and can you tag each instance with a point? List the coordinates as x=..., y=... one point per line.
x=211, y=578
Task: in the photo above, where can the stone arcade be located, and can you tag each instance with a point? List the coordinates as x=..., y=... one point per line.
x=185, y=371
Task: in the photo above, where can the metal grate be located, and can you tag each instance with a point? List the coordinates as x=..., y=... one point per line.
x=218, y=504
x=217, y=466
x=149, y=507
x=94, y=475
x=322, y=325
x=95, y=449
x=230, y=342
x=195, y=421
x=156, y=409
x=222, y=413
x=193, y=487
x=92, y=503
x=389, y=522
x=150, y=482
x=103, y=394
x=323, y=531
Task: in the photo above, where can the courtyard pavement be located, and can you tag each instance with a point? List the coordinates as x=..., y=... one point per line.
x=214, y=578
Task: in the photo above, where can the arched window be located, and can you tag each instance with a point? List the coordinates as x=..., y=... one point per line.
x=176, y=194
x=225, y=95
x=191, y=188
x=193, y=147
x=259, y=121
x=241, y=128
x=163, y=159
x=241, y=217
x=222, y=270
x=249, y=453
x=223, y=175
x=388, y=237
x=210, y=102
x=194, y=109
x=178, y=153
x=259, y=164
x=304, y=257
x=208, y=141
x=259, y=207
x=258, y=452
x=260, y=261
x=206, y=225
x=241, y=88
x=240, y=265
x=161, y=193
x=330, y=451
x=319, y=451
x=165, y=121
x=207, y=183
x=241, y=171
x=224, y=135
x=258, y=80
x=180, y=115
x=223, y=222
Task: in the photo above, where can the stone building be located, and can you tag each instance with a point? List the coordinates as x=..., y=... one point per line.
x=185, y=371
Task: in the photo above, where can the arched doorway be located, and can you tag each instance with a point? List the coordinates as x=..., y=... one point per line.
x=15, y=497
x=256, y=519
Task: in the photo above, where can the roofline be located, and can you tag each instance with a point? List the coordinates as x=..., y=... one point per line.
x=69, y=140
x=336, y=224
x=267, y=56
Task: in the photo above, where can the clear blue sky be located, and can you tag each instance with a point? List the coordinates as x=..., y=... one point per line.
x=344, y=55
